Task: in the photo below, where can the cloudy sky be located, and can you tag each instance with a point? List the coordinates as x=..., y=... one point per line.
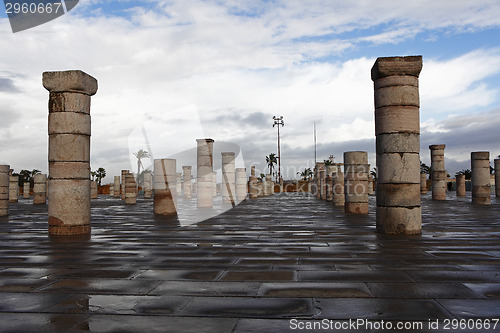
x=173, y=71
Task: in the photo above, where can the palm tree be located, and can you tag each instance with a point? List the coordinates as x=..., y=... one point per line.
x=307, y=173
x=262, y=177
x=271, y=160
x=140, y=154
x=328, y=162
x=466, y=172
x=374, y=173
x=32, y=176
x=100, y=174
x=92, y=174
x=424, y=168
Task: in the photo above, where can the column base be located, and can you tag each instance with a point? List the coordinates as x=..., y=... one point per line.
x=69, y=230
x=356, y=207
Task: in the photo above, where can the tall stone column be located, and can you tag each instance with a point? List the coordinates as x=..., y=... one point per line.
x=148, y=185
x=322, y=183
x=116, y=186
x=228, y=178
x=319, y=167
x=13, y=188
x=480, y=167
x=356, y=182
x=267, y=185
x=423, y=183
x=69, y=151
x=338, y=187
x=204, y=172
x=124, y=173
x=93, y=190
x=26, y=190
x=241, y=184
x=40, y=189
x=130, y=189
x=438, y=172
x=165, y=195
x=186, y=184
x=4, y=190
x=397, y=130
x=460, y=185
x=497, y=177
x=329, y=188
x=253, y=184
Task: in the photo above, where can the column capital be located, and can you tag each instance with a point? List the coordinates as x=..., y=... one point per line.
x=70, y=81
x=203, y=141
x=437, y=147
x=395, y=66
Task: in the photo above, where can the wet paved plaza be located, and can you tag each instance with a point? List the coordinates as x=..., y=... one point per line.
x=250, y=269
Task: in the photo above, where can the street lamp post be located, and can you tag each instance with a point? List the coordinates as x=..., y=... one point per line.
x=278, y=121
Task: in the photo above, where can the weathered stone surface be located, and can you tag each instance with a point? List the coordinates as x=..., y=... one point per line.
x=69, y=205
x=130, y=189
x=338, y=188
x=165, y=187
x=397, y=128
x=204, y=177
x=423, y=183
x=399, y=168
x=228, y=178
x=93, y=190
x=4, y=190
x=241, y=184
x=460, y=185
x=69, y=123
x=116, y=186
x=186, y=184
x=356, y=182
x=399, y=220
x=70, y=81
x=396, y=66
x=40, y=189
x=62, y=148
x=13, y=188
x=480, y=167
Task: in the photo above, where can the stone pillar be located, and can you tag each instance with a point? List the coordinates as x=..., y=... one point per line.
x=338, y=187
x=356, y=182
x=116, y=185
x=397, y=130
x=69, y=151
x=13, y=188
x=124, y=172
x=178, y=183
x=130, y=189
x=267, y=185
x=253, y=184
x=480, y=167
x=148, y=185
x=228, y=178
x=4, y=190
x=438, y=172
x=165, y=197
x=423, y=183
x=40, y=189
x=497, y=177
x=26, y=190
x=241, y=184
x=93, y=190
x=370, y=185
x=460, y=185
x=281, y=184
x=111, y=190
x=214, y=184
x=204, y=172
x=329, y=188
x=186, y=184
x=322, y=183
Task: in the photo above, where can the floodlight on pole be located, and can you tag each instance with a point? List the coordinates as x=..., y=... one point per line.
x=278, y=121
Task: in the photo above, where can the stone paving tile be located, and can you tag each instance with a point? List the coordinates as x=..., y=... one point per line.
x=258, y=276
x=472, y=308
x=39, y=322
x=22, y=285
x=247, y=307
x=28, y=302
x=423, y=290
x=153, y=324
x=379, y=309
x=354, y=276
x=314, y=289
x=195, y=288
x=155, y=274
x=113, y=304
x=456, y=276
x=102, y=286
x=489, y=290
